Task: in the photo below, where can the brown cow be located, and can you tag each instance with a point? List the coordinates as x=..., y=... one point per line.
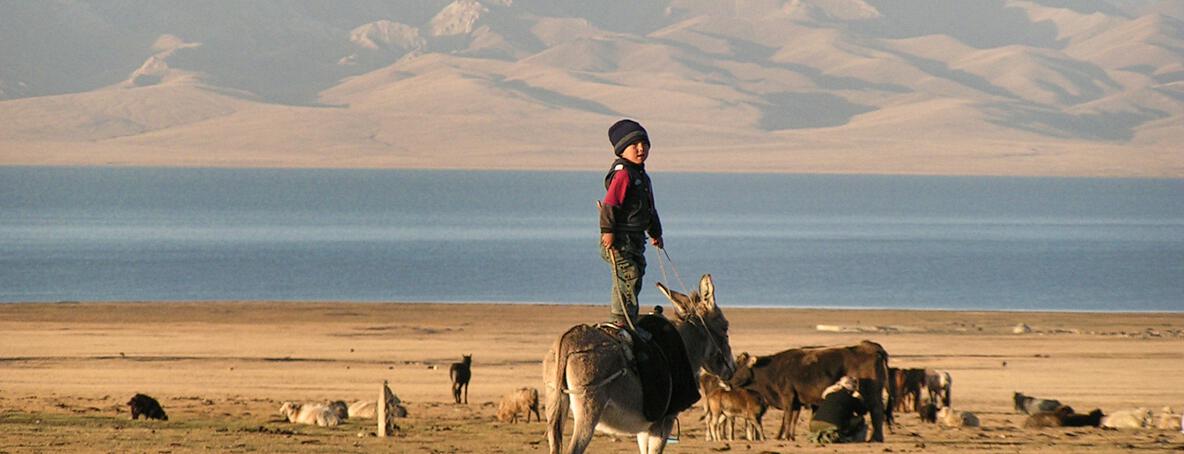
x=795, y=378
x=907, y=385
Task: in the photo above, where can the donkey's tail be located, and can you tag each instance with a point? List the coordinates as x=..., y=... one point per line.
x=557, y=399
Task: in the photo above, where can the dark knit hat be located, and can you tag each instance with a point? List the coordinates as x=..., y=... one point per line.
x=624, y=133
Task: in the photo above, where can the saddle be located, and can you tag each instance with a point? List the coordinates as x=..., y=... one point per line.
x=667, y=382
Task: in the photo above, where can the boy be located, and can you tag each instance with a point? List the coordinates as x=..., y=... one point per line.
x=626, y=216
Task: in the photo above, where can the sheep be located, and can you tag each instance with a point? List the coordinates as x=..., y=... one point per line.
x=522, y=400
x=339, y=408
x=1138, y=418
x=146, y=406
x=947, y=417
x=1168, y=419
x=460, y=373
x=318, y=414
x=363, y=409
x=369, y=408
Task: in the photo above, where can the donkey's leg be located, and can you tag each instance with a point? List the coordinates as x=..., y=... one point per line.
x=586, y=412
x=653, y=441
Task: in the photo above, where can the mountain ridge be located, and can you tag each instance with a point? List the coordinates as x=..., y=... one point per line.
x=1041, y=87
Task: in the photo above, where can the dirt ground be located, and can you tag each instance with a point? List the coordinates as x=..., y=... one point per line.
x=221, y=371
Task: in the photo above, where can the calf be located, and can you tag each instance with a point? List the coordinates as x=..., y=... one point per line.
x=725, y=405
x=461, y=373
x=1030, y=405
x=522, y=400
x=146, y=406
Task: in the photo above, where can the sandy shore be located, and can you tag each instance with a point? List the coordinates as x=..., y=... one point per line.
x=222, y=369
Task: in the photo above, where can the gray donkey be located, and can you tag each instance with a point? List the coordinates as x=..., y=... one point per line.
x=588, y=373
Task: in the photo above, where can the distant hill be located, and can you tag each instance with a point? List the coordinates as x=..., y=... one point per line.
x=1013, y=87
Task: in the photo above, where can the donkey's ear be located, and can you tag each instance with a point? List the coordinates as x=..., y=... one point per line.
x=680, y=301
x=707, y=290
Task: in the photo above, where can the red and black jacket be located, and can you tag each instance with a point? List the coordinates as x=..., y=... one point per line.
x=629, y=201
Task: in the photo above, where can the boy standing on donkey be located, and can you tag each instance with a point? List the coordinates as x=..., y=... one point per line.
x=627, y=214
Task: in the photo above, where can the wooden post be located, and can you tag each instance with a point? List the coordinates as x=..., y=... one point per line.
x=386, y=418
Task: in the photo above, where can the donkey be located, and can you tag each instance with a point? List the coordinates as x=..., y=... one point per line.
x=461, y=373
x=587, y=372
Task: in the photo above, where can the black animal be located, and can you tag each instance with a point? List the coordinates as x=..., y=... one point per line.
x=149, y=408
x=928, y=412
x=461, y=373
x=1093, y=419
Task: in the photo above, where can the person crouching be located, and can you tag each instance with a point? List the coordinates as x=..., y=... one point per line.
x=839, y=418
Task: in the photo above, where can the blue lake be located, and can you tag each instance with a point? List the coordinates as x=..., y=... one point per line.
x=982, y=243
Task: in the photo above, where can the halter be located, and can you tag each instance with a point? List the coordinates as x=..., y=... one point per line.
x=710, y=335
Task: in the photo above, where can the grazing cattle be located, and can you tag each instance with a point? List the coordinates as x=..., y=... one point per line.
x=461, y=373
x=146, y=406
x=725, y=405
x=1139, y=418
x=938, y=384
x=907, y=385
x=312, y=414
x=947, y=417
x=794, y=378
x=1030, y=405
x=521, y=400
x=339, y=408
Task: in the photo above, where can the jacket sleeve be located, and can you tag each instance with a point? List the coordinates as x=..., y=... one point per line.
x=614, y=197
x=655, y=230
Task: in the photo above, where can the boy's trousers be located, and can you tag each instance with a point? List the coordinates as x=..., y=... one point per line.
x=629, y=251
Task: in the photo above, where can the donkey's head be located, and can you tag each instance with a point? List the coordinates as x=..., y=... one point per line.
x=708, y=326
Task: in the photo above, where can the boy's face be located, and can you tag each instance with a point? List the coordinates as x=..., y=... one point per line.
x=637, y=153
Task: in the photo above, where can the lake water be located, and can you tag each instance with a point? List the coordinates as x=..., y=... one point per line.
x=459, y=236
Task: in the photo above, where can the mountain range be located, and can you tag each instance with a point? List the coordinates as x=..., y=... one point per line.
x=956, y=87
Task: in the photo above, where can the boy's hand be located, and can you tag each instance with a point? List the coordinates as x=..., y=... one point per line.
x=606, y=240
x=657, y=242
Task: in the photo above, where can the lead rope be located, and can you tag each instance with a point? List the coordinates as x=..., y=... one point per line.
x=662, y=266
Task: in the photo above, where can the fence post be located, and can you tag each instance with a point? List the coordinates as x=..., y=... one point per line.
x=386, y=419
